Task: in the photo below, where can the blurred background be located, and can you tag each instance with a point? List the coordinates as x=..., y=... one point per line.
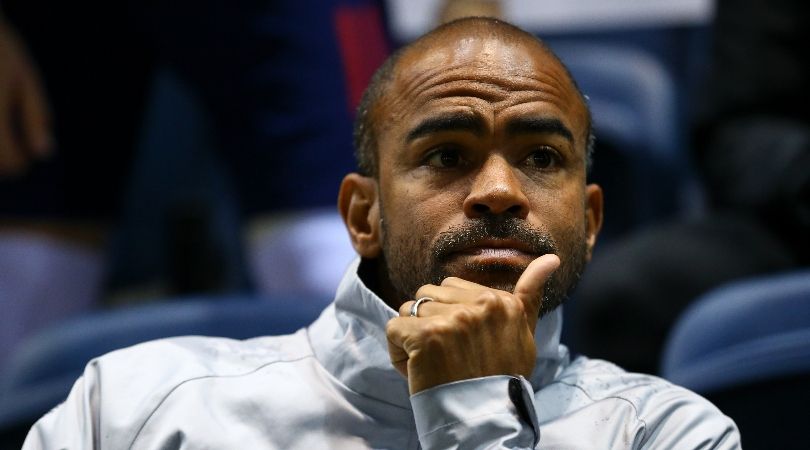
x=171, y=169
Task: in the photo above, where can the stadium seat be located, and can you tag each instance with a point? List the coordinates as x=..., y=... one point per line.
x=639, y=160
x=746, y=347
x=631, y=94
x=42, y=372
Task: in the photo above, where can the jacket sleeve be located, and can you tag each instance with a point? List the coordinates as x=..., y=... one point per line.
x=681, y=419
x=489, y=412
x=500, y=413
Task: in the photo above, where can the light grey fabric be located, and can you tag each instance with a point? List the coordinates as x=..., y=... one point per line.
x=331, y=386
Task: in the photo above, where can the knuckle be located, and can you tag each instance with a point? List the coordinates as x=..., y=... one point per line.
x=464, y=317
x=450, y=280
x=514, y=305
x=487, y=299
x=405, y=309
x=497, y=305
x=431, y=329
x=494, y=304
x=392, y=328
x=423, y=291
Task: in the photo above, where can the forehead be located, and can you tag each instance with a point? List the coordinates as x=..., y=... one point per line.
x=511, y=73
x=498, y=54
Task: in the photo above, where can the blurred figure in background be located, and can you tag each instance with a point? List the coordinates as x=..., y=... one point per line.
x=450, y=10
x=752, y=149
x=73, y=79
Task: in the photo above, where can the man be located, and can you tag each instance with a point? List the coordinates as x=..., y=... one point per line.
x=472, y=218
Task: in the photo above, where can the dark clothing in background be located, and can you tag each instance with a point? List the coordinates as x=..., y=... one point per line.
x=95, y=68
x=752, y=139
x=752, y=150
x=279, y=80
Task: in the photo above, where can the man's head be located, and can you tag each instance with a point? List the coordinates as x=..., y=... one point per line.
x=473, y=144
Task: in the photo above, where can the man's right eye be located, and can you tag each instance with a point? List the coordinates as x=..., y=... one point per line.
x=444, y=158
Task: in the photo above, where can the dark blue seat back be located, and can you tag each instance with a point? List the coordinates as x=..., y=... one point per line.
x=746, y=347
x=634, y=106
x=41, y=374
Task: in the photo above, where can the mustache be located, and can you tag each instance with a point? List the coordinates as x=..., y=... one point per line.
x=490, y=226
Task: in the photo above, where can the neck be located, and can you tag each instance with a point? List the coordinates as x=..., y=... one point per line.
x=374, y=273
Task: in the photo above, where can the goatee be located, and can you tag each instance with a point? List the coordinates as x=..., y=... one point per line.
x=407, y=274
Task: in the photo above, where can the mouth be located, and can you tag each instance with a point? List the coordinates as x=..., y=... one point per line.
x=506, y=252
x=491, y=250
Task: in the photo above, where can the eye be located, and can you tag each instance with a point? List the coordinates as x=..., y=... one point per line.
x=543, y=158
x=444, y=158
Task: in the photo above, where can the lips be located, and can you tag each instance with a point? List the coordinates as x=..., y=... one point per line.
x=499, y=251
x=499, y=246
x=495, y=252
x=493, y=240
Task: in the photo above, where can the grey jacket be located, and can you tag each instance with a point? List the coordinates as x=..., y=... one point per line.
x=331, y=386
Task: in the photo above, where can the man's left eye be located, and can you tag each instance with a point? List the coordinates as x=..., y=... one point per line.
x=542, y=158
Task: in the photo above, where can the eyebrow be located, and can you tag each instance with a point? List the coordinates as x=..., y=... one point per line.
x=538, y=125
x=447, y=122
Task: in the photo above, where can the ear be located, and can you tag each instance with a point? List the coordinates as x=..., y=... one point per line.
x=594, y=210
x=359, y=206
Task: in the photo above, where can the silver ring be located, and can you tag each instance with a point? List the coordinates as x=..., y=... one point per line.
x=415, y=306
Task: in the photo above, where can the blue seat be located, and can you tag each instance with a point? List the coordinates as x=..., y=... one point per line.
x=746, y=347
x=639, y=157
x=42, y=372
x=631, y=94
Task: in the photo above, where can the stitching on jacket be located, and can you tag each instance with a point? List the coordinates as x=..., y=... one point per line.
x=593, y=399
x=202, y=377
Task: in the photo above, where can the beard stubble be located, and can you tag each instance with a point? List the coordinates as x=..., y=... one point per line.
x=413, y=260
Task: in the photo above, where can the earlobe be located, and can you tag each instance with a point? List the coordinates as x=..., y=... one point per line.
x=359, y=206
x=594, y=210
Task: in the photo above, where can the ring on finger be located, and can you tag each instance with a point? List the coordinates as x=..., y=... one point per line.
x=416, y=304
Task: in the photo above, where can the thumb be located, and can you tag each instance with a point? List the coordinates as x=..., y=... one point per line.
x=529, y=288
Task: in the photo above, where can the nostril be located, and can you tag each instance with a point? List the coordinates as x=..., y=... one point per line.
x=515, y=210
x=480, y=208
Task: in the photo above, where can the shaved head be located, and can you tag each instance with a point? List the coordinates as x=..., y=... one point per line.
x=365, y=128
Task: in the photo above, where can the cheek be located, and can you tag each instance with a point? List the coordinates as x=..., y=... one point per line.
x=423, y=210
x=407, y=220
x=562, y=213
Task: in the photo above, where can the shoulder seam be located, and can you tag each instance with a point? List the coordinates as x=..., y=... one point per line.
x=633, y=405
x=201, y=377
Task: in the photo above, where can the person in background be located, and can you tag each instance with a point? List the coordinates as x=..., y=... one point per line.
x=280, y=81
x=752, y=149
x=450, y=10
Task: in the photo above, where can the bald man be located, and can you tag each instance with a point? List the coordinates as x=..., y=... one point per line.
x=473, y=220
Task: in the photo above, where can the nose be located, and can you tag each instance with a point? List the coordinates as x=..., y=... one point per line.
x=496, y=190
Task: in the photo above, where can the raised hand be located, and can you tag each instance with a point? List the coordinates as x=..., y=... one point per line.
x=469, y=330
x=25, y=131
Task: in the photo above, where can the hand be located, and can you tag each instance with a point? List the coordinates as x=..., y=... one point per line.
x=25, y=132
x=469, y=330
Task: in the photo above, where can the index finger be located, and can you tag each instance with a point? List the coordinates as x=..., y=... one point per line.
x=529, y=288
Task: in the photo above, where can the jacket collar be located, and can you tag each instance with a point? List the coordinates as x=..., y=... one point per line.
x=349, y=341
